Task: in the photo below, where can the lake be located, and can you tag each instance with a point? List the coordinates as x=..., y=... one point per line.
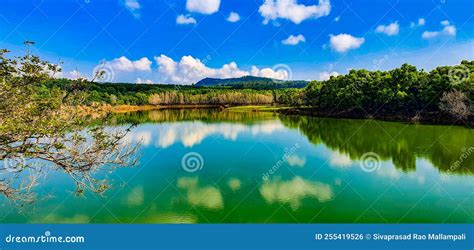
x=211, y=166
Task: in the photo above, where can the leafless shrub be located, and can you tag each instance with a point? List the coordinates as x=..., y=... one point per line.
x=456, y=103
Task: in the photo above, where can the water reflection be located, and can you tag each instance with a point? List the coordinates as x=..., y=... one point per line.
x=234, y=184
x=53, y=218
x=208, y=197
x=136, y=197
x=320, y=181
x=400, y=143
x=349, y=139
x=183, y=115
x=192, y=133
x=168, y=218
x=293, y=191
x=296, y=160
x=196, y=125
x=339, y=159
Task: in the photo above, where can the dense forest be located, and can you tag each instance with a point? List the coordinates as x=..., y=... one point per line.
x=403, y=91
x=251, y=82
x=446, y=91
x=164, y=94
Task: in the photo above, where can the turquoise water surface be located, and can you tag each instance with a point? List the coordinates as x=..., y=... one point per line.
x=211, y=166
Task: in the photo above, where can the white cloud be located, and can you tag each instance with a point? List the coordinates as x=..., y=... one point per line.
x=190, y=134
x=143, y=81
x=421, y=22
x=280, y=74
x=336, y=19
x=124, y=64
x=133, y=6
x=74, y=75
x=294, y=40
x=340, y=160
x=136, y=197
x=430, y=34
x=203, y=6
x=190, y=70
x=234, y=184
x=291, y=10
x=445, y=23
x=293, y=191
x=233, y=17
x=325, y=75
x=144, y=137
x=182, y=19
x=296, y=161
x=344, y=42
x=208, y=197
x=448, y=30
x=389, y=30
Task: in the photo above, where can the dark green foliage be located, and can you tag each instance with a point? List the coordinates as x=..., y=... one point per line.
x=140, y=94
x=404, y=90
x=250, y=82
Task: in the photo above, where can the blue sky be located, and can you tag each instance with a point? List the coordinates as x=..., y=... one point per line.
x=182, y=41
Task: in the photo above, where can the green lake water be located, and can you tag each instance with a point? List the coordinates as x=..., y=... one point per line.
x=210, y=166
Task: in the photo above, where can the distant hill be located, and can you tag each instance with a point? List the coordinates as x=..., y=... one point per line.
x=250, y=82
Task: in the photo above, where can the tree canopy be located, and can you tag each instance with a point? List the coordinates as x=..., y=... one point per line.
x=403, y=90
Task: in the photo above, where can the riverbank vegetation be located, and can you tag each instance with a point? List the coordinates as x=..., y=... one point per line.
x=45, y=119
x=447, y=90
x=406, y=93
x=163, y=94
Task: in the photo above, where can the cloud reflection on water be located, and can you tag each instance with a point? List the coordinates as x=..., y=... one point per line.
x=192, y=133
x=208, y=197
x=293, y=191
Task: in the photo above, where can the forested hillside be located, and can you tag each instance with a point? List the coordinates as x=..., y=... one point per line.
x=251, y=82
x=446, y=90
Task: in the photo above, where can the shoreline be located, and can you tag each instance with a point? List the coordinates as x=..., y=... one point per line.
x=424, y=119
x=427, y=118
x=135, y=108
